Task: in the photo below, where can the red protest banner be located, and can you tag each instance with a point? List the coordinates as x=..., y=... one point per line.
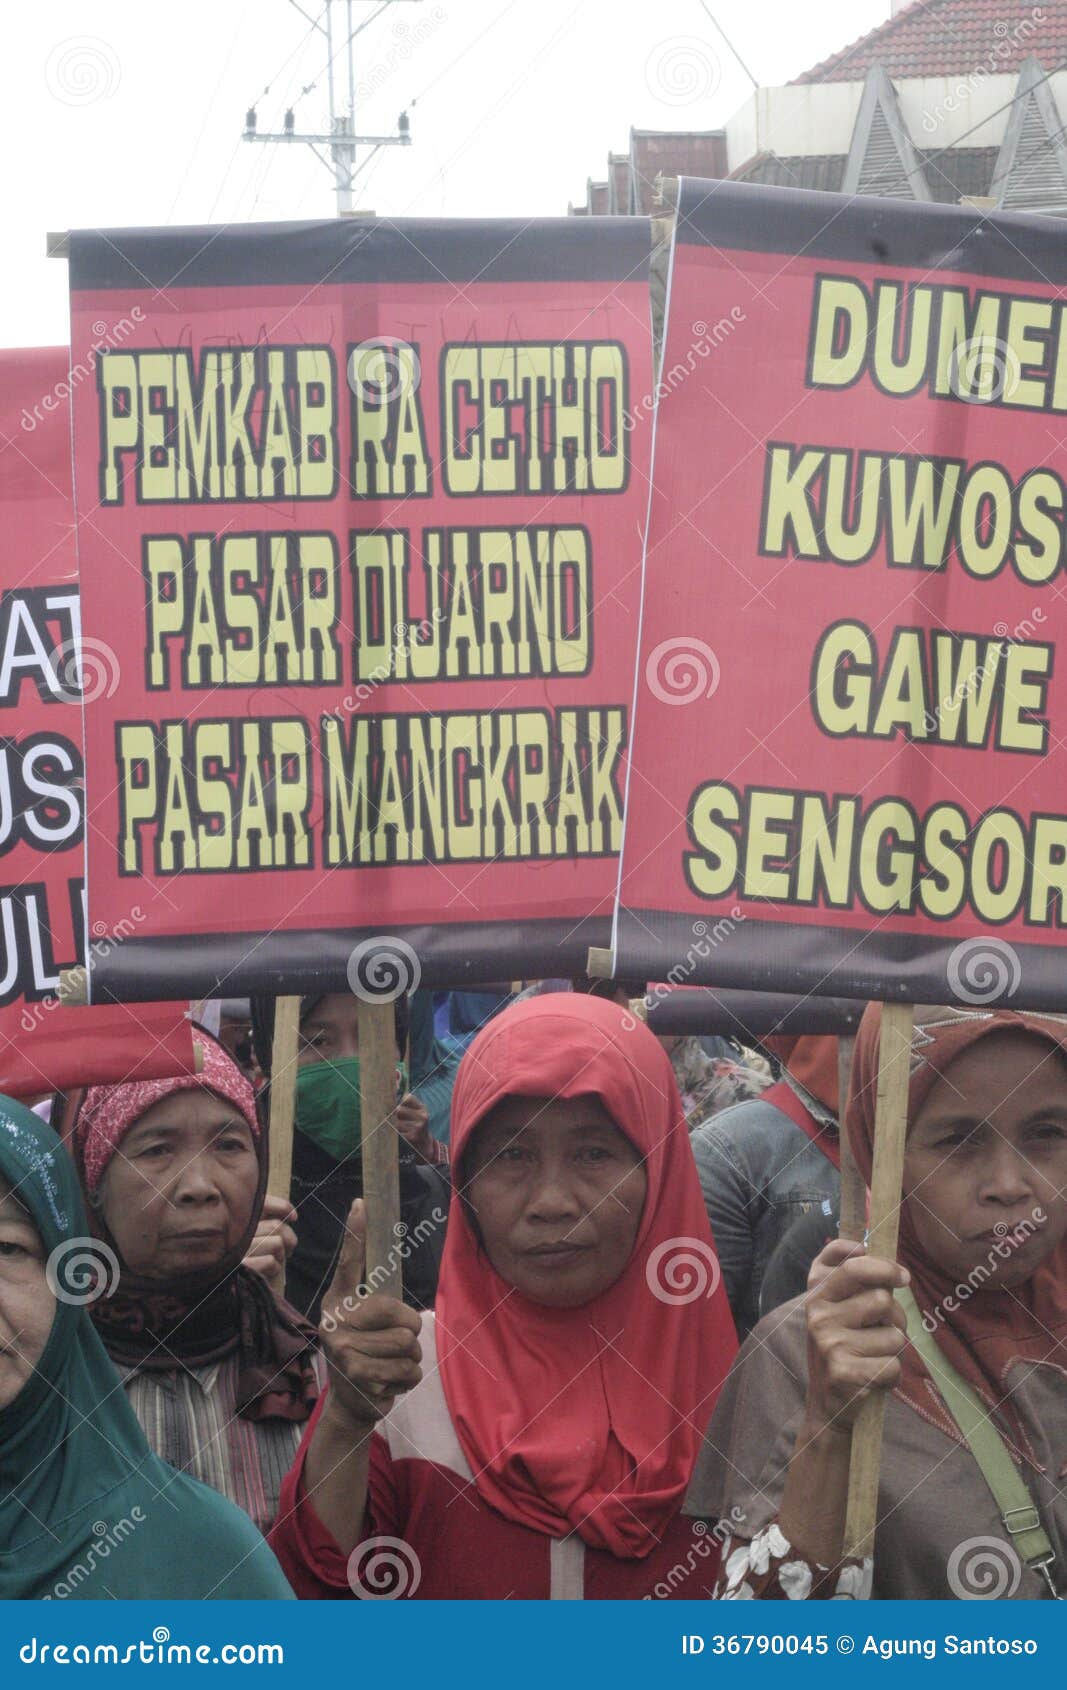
x=848, y=768
x=360, y=511
x=45, y=1046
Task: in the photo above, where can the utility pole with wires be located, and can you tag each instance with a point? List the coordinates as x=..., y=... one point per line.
x=342, y=139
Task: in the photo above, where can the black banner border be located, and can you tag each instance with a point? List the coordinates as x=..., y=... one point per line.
x=454, y=251
x=290, y=963
x=801, y=959
x=807, y=224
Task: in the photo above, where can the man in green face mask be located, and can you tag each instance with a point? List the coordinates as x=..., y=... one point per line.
x=327, y=1171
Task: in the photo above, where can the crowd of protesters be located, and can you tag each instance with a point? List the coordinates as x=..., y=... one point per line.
x=592, y=1219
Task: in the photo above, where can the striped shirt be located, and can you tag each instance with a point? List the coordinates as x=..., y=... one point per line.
x=190, y=1418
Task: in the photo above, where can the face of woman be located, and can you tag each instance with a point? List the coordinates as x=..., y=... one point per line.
x=558, y=1192
x=177, y=1195
x=27, y=1305
x=330, y=1030
x=987, y=1158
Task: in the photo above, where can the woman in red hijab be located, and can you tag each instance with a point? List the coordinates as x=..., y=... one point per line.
x=981, y=1299
x=537, y=1436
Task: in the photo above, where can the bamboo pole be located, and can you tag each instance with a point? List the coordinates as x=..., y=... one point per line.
x=598, y=963
x=890, y=1129
x=852, y=1222
x=74, y=986
x=283, y=1064
x=379, y=1146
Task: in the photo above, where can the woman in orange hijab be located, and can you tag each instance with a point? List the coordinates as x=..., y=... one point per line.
x=536, y=1437
x=981, y=1298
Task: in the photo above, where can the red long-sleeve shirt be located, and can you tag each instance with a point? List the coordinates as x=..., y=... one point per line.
x=429, y=1535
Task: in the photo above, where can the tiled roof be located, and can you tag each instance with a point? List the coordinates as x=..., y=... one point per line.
x=954, y=38
x=823, y=171
x=619, y=183
x=656, y=152
x=633, y=177
x=951, y=174
x=960, y=172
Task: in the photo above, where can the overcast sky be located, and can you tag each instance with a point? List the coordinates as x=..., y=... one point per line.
x=125, y=112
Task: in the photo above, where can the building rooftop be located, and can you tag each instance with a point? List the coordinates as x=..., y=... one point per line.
x=953, y=38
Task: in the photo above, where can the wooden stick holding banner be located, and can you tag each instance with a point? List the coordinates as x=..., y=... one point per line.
x=890, y=1131
x=283, y=1065
x=380, y=1145
x=852, y=1221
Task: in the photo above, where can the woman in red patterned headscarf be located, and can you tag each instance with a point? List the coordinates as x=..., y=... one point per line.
x=579, y=1339
x=219, y=1370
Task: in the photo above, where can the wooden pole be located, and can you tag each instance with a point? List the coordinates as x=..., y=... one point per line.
x=379, y=1138
x=852, y=1221
x=73, y=986
x=283, y=1063
x=890, y=1130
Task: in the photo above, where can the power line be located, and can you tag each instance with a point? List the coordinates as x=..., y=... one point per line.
x=710, y=15
x=341, y=139
x=287, y=61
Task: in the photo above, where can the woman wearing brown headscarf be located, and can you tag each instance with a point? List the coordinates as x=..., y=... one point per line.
x=983, y=1248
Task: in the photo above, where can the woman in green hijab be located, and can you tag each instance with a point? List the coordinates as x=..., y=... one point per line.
x=86, y=1509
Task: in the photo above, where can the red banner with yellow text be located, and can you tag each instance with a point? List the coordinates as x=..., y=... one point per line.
x=44, y=1045
x=360, y=510
x=848, y=773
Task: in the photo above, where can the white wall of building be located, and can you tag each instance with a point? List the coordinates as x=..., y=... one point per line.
x=806, y=119
x=795, y=121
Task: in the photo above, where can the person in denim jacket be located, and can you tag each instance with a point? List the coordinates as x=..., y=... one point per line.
x=765, y=1163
